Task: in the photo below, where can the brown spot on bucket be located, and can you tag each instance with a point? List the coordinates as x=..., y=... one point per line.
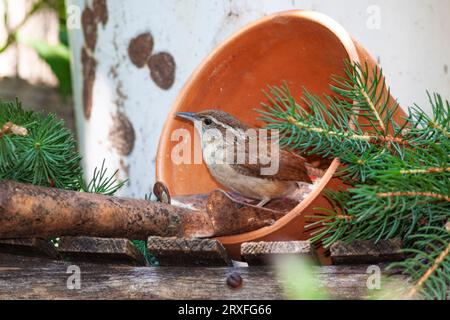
x=122, y=134
x=101, y=11
x=89, y=65
x=124, y=167
x=89, y=24
x=140, y=49
x=445, y=69
x=162, y=69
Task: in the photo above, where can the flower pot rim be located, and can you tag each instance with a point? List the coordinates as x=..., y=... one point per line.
x=349, y=45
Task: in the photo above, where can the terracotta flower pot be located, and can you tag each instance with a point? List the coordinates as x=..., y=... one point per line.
x=302, y=48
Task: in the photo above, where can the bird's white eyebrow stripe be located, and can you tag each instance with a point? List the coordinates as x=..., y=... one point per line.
x=227, y=127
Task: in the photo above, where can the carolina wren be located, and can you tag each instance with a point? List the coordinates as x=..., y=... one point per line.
x=245, y=177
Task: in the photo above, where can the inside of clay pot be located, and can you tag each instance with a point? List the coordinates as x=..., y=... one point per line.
x=289, y=48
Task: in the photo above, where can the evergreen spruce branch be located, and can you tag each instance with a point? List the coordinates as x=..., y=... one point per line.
x=424, y=129
x=8, y=155
x=413, y=194
x=310, y=132
x=425, y=171
x=376, y=212
x=360, y=168
x=329, y=226
x=416, y=166
x=101, y=183
x=328, y=127
x=428, y=264
x=11, y=113
x=141, y=245
x=393, y=202
x=429, y=273
x=46, y=155
x=400, y=172
x=441, y=120
x=433, y=159
x=373, y=108
x=38, y=149
x=367, y=89
x=49, y=155
x=331, y=126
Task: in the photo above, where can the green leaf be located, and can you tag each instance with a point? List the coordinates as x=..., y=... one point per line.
x=299, y=281
x=58, y=58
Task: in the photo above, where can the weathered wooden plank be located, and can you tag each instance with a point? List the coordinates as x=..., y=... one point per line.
x=118, y=251
x=263, y=253
x=366, y=252
x=188, y=252
x=34, y=278
x=30, y=247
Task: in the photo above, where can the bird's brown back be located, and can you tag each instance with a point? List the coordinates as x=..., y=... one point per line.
x=291, y=168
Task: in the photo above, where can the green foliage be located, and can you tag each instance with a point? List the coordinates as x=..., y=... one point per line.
x=307, y=130
x=58, y=58
x=101, y=183
x=299, y=281
x=428, y=251
x=436, y=127
x=11, y=112
x=359, y=133
x=399, y=171
x=55, y=55
x=142, y=247
x=46, y=155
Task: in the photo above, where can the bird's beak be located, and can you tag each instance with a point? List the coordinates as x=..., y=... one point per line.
x=191, y=116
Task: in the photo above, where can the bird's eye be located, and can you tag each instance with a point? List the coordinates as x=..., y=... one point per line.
x=207, y=122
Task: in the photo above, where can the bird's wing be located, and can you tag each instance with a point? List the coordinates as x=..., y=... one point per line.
x=291, y=167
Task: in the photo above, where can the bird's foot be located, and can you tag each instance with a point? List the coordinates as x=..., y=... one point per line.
x=249, y=201
x=240, y=198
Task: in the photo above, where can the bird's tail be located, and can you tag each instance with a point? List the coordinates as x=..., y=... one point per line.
x=313, y=172
x=302, y=191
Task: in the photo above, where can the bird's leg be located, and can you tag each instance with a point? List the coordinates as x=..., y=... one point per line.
x=263, y=202
x=239, y=198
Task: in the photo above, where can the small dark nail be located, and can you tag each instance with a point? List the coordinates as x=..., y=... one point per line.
x=234, y=280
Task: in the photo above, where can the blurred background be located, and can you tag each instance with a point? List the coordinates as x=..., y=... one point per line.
x=73, y=58
x=34, y=56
